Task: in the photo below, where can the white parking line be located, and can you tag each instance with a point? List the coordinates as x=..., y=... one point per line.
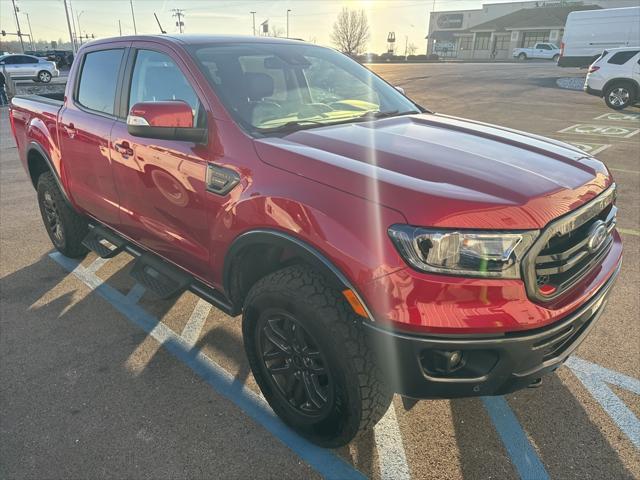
x=600, y=130
x=619, y=117
x=392, y=460
x=191, y=331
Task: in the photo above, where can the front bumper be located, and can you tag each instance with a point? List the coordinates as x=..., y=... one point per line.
x=491, y=365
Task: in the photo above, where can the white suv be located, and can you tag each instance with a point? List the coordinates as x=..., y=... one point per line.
x=615, y=75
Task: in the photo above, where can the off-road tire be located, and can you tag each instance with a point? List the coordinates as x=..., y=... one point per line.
x=361, y=395
x=73, y=225
x=620, y=86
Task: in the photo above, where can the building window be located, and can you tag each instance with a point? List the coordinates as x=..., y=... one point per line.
x=529, y=39
x=482, y=41
x=502, y=42
x=464, y=43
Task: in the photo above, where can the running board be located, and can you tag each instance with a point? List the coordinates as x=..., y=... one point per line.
x=160, y=277
x=104, y=243
x=163, y=279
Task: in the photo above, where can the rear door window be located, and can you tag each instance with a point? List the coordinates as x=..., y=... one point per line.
x=620, y=58
x=98, y=80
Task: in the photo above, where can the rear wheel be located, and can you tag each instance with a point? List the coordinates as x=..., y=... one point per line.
x=311, y=358
x=66, y=228
x=556, y=57
x=44, y=76
x=522, y=57
x=620, y=95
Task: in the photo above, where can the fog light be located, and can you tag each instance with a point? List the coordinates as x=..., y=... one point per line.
x=447, y=361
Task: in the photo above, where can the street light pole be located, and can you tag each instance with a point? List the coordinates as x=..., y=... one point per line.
x=288, y=10
x=80, y=29
x=135, y=30
x=253, y=14
x=15, y=12
x=30, y=31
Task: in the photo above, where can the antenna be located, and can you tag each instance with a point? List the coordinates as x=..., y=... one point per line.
x=159, y=26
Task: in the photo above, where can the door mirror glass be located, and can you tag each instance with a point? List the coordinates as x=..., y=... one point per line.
x=168, y=120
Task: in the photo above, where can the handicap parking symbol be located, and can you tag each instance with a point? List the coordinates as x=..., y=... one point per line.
x=590, y=148
x=601, y=130
x=620, y=117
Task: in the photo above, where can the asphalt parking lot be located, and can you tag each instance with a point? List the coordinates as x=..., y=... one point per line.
x=101, y=379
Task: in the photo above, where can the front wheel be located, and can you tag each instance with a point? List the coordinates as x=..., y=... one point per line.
x=556, y=57
x=620, y=95
x=44, y=76
x=311, y=358
x=66, y=228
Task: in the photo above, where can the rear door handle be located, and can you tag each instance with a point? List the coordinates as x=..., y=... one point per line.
x=124, y=149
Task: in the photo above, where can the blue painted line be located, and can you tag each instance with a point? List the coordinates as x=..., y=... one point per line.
x=136, y=293
x=595, y=379
x=324, y=461
x=515, y=441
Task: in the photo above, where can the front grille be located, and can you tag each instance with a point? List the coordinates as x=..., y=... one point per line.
x=571, y=247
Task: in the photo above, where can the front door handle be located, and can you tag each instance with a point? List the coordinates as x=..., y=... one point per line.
x=124, y=149
x=70, y=129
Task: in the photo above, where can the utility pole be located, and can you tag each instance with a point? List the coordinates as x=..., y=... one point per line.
x=178, y=13
x=120, y=27
x=133, y=15
x=288, y=10
x=73, y=24
x=80, y=29
x=30, y=31
x=253, y=14
x=66, y=11
x=15, y=12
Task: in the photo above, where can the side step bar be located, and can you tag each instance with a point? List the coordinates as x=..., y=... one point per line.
x=160, y=277
x=103, y=242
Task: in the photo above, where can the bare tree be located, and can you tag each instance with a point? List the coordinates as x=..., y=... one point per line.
x=276, y=32
x=351, y=31
x=411, y=49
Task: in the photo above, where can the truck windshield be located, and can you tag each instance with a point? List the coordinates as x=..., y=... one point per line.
x=271, y=87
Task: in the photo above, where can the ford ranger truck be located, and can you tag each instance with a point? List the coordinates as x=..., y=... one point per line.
x=371, y=246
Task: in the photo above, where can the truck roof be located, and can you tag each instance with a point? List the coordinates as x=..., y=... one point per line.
x=193, y=39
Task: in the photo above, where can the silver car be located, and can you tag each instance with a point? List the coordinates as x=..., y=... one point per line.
x=27, y=66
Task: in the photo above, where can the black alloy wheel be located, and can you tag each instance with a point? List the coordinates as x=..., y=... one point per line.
x=294, y=364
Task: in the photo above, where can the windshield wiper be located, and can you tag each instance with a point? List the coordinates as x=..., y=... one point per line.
x=375, y=114
x=291, y=126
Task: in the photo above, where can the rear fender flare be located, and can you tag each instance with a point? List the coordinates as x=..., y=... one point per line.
x=36, y=147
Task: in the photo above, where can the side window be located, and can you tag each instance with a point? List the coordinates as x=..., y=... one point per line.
x=98, y=79
x=544, y=46
x=620, y=58
x=156, y=78
x=11, y=61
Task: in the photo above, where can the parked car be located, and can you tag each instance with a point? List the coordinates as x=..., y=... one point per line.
x=371, y=245
x=26, y=66
x=588, y=32
x=615, y=76
x=548, y=51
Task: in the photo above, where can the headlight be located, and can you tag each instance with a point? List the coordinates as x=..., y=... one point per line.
x=464, y=253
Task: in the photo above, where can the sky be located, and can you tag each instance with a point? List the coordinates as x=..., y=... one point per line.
x=311, y=20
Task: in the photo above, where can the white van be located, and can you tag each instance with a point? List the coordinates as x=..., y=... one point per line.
x=589, y=32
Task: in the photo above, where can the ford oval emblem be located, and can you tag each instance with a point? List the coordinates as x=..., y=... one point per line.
x=597, y=236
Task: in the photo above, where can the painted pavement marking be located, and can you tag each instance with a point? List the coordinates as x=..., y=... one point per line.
x=590, y=148
x=629, y=231
x=191, y=331
x=392, y=459
x=514, y=439
x=619, y=117
x=597, y=379
x=600, y=130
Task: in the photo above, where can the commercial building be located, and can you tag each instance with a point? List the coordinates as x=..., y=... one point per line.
x=493, y=31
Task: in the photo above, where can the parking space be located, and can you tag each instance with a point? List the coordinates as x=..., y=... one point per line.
x=101, y=379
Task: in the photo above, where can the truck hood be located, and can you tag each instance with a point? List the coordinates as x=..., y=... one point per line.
x=444, y=171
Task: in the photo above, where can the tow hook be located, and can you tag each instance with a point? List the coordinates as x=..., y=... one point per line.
x=536, y=383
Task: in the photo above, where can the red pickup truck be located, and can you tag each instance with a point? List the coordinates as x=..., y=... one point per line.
x=371, y=245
